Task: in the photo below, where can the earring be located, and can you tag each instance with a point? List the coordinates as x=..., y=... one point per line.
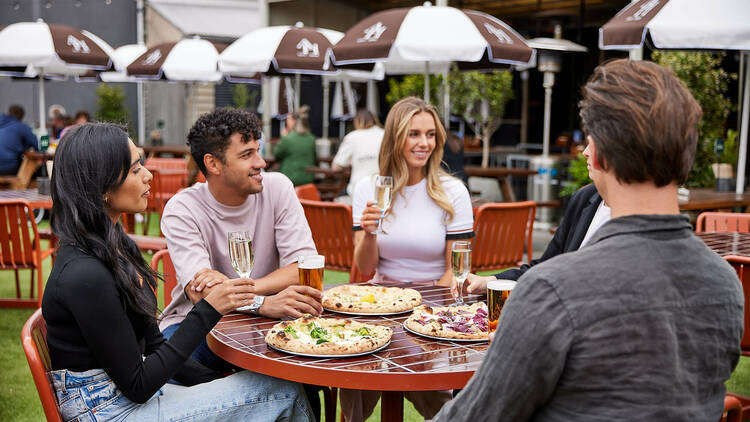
x=106, y=199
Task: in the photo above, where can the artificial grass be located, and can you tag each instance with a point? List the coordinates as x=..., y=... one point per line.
x=18, y=397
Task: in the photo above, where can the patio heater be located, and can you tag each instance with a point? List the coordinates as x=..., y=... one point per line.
x=549, y=62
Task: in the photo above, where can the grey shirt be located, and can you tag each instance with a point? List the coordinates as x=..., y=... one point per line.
x=642, y=324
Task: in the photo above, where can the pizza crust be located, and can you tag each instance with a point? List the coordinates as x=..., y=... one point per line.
x=370, y=299
x=437, y=321
x=341, y=337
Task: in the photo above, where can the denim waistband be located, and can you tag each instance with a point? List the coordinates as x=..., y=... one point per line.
x=63, y=378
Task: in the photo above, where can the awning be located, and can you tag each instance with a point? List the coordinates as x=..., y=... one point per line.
x=209, y=18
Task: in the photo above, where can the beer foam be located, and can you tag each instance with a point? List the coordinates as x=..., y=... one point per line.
x=501, y=285
x=311, y=262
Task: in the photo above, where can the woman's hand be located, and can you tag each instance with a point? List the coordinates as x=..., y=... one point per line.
x=370, y=218
x=231, y=294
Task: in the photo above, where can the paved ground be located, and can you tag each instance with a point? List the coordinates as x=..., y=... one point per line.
x=539, y=241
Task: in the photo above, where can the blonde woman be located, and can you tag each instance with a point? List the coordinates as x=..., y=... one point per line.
x=429, y=211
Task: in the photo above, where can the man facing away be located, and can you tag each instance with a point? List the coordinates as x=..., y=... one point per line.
x=235, y=197
x=15, y=138
x=644, y=322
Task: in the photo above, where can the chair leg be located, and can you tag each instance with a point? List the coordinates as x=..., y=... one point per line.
x=330, y=397
x=31, y=283
x=40, y=285
x=18, y=285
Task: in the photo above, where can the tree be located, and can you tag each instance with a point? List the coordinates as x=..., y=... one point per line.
x=707, y=81
x=244, y=97
x=110, y=107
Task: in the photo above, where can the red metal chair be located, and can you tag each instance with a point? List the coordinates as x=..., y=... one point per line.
x=166, y=163
x=165, y=184
x=331, y=226
x=741, y=264
x=308, y=191
x=167, y=271
x=20, y=248
x=732, y=410
x=34, y=339
x=503, y=232
x=723, y=222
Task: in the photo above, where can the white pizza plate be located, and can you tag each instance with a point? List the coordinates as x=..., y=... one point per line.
x=467, y=340
x=369, y=314
x=311, y=355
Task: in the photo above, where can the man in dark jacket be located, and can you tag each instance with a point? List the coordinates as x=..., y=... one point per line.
x=15, y=138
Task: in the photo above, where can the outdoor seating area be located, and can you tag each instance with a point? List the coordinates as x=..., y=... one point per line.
x=365, y=211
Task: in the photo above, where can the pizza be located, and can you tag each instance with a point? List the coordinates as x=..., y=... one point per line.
x=467, y=322
x=359, y=299
x=327, y=336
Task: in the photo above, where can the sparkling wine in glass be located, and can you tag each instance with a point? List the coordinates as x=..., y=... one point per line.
x=383, y=186
x=241, y=255
x=460, y=263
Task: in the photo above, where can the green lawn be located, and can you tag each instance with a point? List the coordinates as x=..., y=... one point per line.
x=18, y=397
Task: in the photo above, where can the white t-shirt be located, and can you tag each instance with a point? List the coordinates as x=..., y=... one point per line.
x=602, y=215
x=360, y=149
x=413, y=248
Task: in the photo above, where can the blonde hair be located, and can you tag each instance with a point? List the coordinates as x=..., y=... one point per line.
x=392, y=162
x=364, y=119
x=302, y=119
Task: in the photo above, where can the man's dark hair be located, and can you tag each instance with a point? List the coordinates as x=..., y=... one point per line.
x=643, y=121
x=82, y=113
x=210, y=133
x=16, y=111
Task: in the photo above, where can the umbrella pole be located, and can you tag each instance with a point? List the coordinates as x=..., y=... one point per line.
x=549, y=81
x=446, y=102
x=742, y=161
x=42, y=114
x=326, y=106
x=297, y=83
x=427, y=82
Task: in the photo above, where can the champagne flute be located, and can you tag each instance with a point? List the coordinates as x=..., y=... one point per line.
x=460, y=263
x=383, y=186
x=241, y=255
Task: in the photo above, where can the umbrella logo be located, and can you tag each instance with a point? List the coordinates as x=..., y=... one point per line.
x=502, y=37
x=373, y=32
x=152, y=58
x=307, y=49
x=643, y=10
x=79, y=46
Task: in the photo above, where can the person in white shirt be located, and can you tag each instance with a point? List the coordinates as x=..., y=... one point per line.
x=429, y=211
x=359, y=150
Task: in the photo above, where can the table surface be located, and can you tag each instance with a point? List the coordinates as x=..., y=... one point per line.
x=410, y=362
x=709, y=199
x=498, y=171
x=35, y=199
x=724, y=243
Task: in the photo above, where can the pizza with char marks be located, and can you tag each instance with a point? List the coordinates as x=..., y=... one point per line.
x=370, y=299
x=467, y=322
x=327, y=336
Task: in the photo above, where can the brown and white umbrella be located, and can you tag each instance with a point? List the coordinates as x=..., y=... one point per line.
x=406, y=39
x=39, y=49
x=187, y=60
x=279, y=50
x=687, y=25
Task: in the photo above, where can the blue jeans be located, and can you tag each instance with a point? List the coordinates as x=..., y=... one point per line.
x=92, y=396
x=202, y=354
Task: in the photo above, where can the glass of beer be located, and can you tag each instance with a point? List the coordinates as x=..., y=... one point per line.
x=460, y=263
x=497, y=293
x=311, y=270
x=383, y=186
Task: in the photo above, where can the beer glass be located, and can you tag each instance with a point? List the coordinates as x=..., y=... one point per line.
x=383, y=186
x=311, y=270
x=241, y=255
x=460, y=263
x=497, y=294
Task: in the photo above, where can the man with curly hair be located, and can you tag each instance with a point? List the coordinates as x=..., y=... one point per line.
x=225, y=144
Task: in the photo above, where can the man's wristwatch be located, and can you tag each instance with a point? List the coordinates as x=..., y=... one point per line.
x=257, y=303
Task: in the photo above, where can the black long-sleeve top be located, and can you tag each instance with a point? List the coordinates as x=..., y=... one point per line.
x=89, y=326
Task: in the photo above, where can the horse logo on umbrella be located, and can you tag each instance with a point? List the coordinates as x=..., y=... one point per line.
x=79, y=46
x=502, y=37
x=643, y=10
x=307, y=49
x=152, y=58
x=373, y=32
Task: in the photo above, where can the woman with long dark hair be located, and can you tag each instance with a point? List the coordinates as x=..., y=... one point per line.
x=108, y=357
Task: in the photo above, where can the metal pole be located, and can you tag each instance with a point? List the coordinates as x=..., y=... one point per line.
x=742, y=160
x=297, y=87
x=427, y=82
x=549, y=82
x=42, y=114
x=524, y=106
x=446, y=102
x=140, y=99
x=265, y=87
x=326, y=106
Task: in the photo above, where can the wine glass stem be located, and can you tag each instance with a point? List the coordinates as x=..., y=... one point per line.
x=460, y=295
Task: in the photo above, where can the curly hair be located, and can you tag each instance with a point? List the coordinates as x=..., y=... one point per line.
x=210, y=133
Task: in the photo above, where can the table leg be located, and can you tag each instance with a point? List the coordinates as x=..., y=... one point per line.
x=392, y=406
x=506, y=189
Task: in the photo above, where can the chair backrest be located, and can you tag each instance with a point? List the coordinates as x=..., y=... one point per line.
x=166, y=163
x=168, y=272
x=19, y=236
x=741, y=264
x=331, y=226
x=723, y=222
x=503, y=231
x=308, y=191
x=732, y=410
x=34, y=340
x=356, y=276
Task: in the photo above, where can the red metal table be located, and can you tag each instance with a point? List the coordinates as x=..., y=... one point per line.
x=409, y=363
x=727, y=243
x=32, y=196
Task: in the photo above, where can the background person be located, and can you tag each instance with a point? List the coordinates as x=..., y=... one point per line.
x=644, y=323
x=359, y=150
x=296, y=150
x=429, y=211
x=108, y=357
x=15, y=138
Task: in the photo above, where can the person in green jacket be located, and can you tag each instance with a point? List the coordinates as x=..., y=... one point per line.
x=296, y=150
